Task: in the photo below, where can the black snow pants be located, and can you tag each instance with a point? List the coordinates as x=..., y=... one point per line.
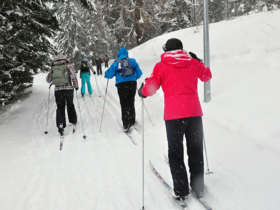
x=127, y=91
x=99, y=69
x=65, y=98
x=192, y=129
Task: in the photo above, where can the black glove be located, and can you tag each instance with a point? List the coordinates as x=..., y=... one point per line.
x=140, y=94
x=77, y=88
x=194, y=56
x=92, y=70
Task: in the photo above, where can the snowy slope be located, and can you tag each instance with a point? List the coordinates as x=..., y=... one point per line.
x=104, y=171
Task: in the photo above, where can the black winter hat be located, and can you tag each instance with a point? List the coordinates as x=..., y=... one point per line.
x=172, y=44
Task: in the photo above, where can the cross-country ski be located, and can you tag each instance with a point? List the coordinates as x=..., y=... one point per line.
x=180, y=202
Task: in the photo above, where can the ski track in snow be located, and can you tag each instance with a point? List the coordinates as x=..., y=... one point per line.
x=50, y=182
x=53, y=178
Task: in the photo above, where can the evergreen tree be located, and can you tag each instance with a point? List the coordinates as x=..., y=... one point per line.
x=24, y=45
x=83, y=32
x=68, y=18
x=249, y=5
x=119, y=15
x=217, y=9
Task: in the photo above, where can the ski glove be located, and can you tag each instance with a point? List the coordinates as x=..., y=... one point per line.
x=93, y=71
x=77, y=88
x=194, y=56
x=140, y=92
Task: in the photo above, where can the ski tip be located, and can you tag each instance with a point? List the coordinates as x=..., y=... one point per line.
x=46, y=132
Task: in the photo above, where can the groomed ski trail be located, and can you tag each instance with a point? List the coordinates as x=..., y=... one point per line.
x=85, y=173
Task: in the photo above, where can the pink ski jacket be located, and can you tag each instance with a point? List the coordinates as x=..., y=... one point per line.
x=177, y=73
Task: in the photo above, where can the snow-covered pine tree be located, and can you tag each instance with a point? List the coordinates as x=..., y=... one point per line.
x=83, y=31
x=120, y=17
x=134, y=22
x=217, y=9
x=68, y=15
x=172, y=15
x=24, y=47
x=103, y=41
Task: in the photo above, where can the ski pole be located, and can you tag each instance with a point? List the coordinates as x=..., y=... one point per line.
x=92, y=70
x=97, y=87
x=84, y=136
x=143, y=157
x=47, y=123
x=149, y=116
x=104, y=105
x=207, y=164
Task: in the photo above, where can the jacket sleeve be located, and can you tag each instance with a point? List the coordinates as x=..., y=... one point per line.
x=91, y=68
x=73, y=76
x=49, y=77
x=111, y=72
x=152, y=84
x=204, y=73
x=137, y=69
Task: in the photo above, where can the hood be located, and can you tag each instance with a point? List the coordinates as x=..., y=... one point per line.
x=84, y=58
x=123, y=53
x=178, y=58
x=60, y=62
x=60, y=57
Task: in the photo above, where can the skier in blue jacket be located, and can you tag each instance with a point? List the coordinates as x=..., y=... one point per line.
x=127, y=72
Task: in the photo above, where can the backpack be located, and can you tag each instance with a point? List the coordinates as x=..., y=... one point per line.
x=125, y=68
x=84, y=66
x=60, y=75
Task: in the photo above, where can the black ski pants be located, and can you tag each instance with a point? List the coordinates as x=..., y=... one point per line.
x=192, y=129
x=127, y=91
x=99, y=69
x=65, y=98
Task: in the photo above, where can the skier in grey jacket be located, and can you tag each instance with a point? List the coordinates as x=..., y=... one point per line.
x=63, y=76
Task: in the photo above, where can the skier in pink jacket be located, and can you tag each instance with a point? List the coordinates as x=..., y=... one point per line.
x=178, y=73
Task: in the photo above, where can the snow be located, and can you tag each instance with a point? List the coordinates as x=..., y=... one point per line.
x=104, y=172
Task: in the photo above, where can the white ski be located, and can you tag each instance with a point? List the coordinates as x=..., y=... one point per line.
x=181, y=204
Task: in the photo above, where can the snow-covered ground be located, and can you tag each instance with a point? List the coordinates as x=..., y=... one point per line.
x=104, y=172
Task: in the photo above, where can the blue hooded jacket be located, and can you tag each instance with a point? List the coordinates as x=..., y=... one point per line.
x=114, y=71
